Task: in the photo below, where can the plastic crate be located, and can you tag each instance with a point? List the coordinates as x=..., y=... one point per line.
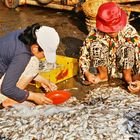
x=68, y=67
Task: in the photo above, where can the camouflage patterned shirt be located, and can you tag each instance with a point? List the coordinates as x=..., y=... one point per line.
x=122, y=52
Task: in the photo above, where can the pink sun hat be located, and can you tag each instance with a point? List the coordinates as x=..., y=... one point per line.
x=110, y=18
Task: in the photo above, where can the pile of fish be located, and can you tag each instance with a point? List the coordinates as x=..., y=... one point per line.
x=107, y=113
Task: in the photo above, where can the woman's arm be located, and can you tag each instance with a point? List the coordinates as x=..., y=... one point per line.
x=45, y=83
x=13, y=73
x=14, y=84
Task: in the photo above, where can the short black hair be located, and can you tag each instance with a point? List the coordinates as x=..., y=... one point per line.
x=28, y=37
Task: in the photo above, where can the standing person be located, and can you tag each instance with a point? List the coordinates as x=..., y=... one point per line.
x=20, y=52
x=113, y=48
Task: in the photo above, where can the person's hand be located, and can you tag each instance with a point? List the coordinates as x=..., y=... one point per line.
x=49, y=86
x=45, y=83
x=134, y=87
x=39, y=98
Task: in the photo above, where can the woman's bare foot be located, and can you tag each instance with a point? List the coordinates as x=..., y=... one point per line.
x=9, y=102
x=96, y=79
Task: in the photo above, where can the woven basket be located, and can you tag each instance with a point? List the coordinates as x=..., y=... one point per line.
x=90, y=7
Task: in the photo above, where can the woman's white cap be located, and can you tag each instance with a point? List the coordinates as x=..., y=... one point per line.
x=48, y=39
